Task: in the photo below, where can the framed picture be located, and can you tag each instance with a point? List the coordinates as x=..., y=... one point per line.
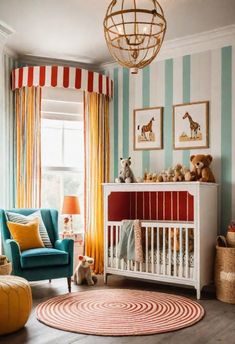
x=191, y=125
x=148, y=128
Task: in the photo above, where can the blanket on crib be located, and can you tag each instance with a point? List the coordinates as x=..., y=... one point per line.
x=130, y=243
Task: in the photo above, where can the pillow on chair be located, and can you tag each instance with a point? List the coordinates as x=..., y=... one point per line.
x=27, y=235
x=23, y=219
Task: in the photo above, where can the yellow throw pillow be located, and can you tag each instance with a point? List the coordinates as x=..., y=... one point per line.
x=26, y=235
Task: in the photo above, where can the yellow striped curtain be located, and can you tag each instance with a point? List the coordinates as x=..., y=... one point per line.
x=96, y=122
x=28, y=147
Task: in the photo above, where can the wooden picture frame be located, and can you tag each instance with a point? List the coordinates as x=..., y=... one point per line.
x=191, y=125
x=148, y=128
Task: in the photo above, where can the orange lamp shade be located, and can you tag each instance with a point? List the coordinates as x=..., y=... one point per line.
x=71, y=205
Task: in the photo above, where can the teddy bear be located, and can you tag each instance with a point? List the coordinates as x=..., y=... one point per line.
x=178, y=175
x=125, y=175
x=83, y=272
x=201, y=168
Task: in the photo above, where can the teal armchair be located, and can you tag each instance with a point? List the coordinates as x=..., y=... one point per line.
x=39, y=263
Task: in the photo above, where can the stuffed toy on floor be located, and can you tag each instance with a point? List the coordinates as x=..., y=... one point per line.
x=83, y=272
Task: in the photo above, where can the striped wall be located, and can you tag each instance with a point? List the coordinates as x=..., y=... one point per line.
x=207, y=75
x=7, y=137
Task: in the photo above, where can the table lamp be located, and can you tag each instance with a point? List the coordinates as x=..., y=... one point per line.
x=71, y=207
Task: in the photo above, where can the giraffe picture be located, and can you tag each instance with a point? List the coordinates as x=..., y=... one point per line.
x=190, y=125
x=147, y=128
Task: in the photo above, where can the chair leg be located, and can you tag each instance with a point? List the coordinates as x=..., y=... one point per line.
x=69, y=284
x=49, y=280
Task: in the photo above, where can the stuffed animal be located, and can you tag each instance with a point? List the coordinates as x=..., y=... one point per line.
x=162, y=177
x=148, y=177
x=83, y=272
x=188, y=175
x=178, y=175
x=125, y=175
x=154, y=177
x=170, y=174
x=201, y=168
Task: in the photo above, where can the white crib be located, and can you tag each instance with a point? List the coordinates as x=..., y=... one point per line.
x=178, y=225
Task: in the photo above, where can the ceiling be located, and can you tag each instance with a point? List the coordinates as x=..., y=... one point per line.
x=73, y=29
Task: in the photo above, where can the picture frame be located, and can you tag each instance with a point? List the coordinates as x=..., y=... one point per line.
x=148, y=128
x=191, y=125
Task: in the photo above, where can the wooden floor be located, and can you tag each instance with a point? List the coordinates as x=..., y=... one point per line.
x=218, y=326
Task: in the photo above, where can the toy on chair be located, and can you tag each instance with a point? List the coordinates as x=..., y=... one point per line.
x=83, y=272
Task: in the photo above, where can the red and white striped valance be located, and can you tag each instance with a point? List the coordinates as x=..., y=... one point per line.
x=58, y=76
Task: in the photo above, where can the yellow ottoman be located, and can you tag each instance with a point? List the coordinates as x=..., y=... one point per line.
x=15, y=303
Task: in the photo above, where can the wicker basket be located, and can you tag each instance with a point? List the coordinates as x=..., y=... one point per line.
x=6, y=269
x=230, y=239
x=225, y=274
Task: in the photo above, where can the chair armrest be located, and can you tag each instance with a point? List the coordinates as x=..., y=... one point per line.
x=12, y=251
x=64, y=245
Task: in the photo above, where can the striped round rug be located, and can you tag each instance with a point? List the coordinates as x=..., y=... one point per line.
x=119, y=312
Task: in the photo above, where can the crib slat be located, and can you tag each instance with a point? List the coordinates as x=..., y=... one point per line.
x=193, y=232
x=158, y=251
x=116, y=245
x=186, y=252
x=181, y=253
x=122, y=264
x=175, y=252
x=111, y=244
x=128, y=264
x=164, y=250
x=146, y=249
x=152, y=250
x=169, y=251
x=107, y=229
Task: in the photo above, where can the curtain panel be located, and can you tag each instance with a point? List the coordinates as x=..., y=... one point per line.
x=28, y=147
x=97, y=150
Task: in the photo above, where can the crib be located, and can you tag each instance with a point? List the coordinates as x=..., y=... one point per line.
x=178, y=228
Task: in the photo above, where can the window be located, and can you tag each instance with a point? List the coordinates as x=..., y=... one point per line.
x=62, y=158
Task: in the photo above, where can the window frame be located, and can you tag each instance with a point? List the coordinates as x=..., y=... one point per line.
x=61, y=117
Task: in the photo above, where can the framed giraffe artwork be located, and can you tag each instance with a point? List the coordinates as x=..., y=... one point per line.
x=148, y=128
x=191, y=125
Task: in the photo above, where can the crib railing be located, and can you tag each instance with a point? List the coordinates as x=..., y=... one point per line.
x=168, y=249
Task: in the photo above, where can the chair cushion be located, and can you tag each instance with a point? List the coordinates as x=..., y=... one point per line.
x=40, y=257
x=27, y=236
x=23, y=219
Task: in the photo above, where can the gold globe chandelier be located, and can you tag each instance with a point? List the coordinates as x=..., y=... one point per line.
x=134, y=35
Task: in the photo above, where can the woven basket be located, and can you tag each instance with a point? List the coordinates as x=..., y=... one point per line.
x=225, y=274
x=6, y=269
x=230, y=239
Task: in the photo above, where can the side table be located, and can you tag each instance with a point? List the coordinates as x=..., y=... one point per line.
x=78, y=245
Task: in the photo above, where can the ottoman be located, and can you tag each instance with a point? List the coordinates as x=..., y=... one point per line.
x=15, y=303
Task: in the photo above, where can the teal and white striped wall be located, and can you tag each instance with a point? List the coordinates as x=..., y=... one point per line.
x=7, y=139
x=207, y=75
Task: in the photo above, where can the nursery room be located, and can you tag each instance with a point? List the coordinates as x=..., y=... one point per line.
x=117, y=174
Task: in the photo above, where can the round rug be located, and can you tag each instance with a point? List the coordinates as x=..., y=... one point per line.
x=119, y=312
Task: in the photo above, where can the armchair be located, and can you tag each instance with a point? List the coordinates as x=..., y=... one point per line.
x=39, y=263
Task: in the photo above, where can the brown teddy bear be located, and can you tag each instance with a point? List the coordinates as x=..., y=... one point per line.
x=201, y=169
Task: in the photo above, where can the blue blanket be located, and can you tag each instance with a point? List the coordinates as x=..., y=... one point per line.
x=126, y=247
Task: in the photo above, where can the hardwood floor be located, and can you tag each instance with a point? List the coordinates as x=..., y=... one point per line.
x=218, y=325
